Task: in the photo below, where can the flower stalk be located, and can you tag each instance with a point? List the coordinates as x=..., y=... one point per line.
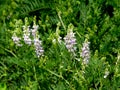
x=85, y=54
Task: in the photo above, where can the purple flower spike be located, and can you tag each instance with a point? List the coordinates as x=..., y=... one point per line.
x=70, y=41
x=16, y=40
x=38, y=47
x=85, y=54
x=26, y=35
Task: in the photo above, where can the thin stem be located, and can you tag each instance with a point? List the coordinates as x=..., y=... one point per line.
x=35, y=75
x=9, y=51
x=61, y=21
x=58, y=76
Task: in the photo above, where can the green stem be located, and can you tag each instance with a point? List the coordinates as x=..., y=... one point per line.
x=61, y=20
x=78, y=34
x=58, y=76
x=35, y=75
x=9, y=51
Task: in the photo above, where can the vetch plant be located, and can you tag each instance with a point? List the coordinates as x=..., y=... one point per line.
x=37, y=43
x=99, y=65
x=70, y=40
x=85, y=54
x=30, y=37
x=35, y=28
x=16, y=33
x=57, y=37
x=26, y=35
x=16, y=40
x=38, y=47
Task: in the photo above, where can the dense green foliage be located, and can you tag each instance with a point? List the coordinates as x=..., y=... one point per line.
x=96, y=21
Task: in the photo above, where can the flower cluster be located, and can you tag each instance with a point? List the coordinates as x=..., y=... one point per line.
x=37, y=43
x=85, y=54
x=16, y=40
x=30, y=37
x=38, y=47
x=70, y=41
x=26, y=35
x=34, y=30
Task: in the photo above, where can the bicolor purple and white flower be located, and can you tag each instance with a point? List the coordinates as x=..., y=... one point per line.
x=16, y=40
x=70, y=41
x=30, y=37
x=85, y=54
x=38, y=47
x=26, y=35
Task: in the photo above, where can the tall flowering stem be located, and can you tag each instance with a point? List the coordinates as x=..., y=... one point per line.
x=38, y=47
x=34, y=30
x=57, y=37
x=70, y=40
x=17, y=33
x=37, y=43
x=85, y=54
x=26, y=35
x=30, y=37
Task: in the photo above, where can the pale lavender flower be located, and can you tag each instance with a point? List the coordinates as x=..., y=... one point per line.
x=37, y=43
x=26, y=35
x=16, y=40
x=27, y=39
x=70, y=41
x=38, y=47
x=106, y=73
x=34, y=30
x=57, y=40
x=85, y=54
